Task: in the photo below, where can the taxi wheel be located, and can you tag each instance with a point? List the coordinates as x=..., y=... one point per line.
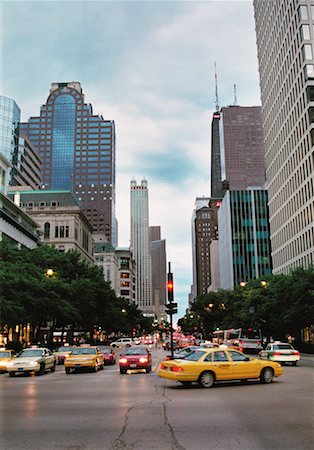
x=206, y=379
x=67, y=370
x=12, y=374
x=267, y=375
x=41, y=370
x=94, y=368
x=53, y=368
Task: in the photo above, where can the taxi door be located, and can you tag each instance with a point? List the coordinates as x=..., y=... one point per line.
x=242, y=367
x=49, y=358
x=222, y=366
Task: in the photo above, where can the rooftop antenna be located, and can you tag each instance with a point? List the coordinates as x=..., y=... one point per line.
x=235, y=94
x=216, y=89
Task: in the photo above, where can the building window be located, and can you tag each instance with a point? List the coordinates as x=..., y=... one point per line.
x=56, y=231
x=307, y=52
x=47, y=230
x=309, y=71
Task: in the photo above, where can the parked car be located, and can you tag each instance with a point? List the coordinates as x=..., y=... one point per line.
x=29, y=360
x=84, y=358
x=207, y=366
x=135, y=358
x=109, y=355
x=122, y=342
x=62, y=353
x=5, y=357
x=282, y=352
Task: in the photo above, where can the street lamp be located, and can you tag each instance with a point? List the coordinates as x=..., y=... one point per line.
x=49, y=273
x=243, y=283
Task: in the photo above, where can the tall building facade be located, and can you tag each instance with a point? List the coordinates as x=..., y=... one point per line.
x=140, y=246
x=285, y=45
x=77, y=151
x=237, y=152
x=244, y=237
x=204, y=230
x=159, y=269
x=9, y=130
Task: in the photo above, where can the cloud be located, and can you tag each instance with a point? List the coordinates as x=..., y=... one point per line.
x=149, y=66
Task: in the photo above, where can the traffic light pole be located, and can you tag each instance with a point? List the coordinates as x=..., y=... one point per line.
x=170, y=299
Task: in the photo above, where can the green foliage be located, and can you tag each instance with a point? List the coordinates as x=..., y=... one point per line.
x=76, y=294
x=282, y=305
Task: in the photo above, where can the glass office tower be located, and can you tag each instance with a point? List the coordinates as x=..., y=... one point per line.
x=244, y=237
x=9, y=129
x=77, y=149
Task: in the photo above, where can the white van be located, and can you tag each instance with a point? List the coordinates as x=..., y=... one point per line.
x=122, y=342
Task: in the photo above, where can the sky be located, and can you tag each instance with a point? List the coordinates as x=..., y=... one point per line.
x=149, y=66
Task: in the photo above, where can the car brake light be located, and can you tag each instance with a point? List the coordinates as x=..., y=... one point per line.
x=123, y=360
x=162, y=366
x=277, y=353
x=258, y=342
x=143, y=360
x=176, y=369
x=296, y=353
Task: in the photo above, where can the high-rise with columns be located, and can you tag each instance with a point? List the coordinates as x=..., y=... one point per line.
x=141, y=246
x=285, y=46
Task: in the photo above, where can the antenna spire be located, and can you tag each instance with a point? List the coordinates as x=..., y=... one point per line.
x=216, y=90
x=235, y=94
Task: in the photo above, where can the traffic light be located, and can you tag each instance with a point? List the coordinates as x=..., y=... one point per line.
x=170, y=287
x=172, y=308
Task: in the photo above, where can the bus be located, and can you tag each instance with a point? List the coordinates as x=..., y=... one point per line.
x=250, y=339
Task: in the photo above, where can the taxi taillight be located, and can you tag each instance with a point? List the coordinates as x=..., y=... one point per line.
x=176, y=369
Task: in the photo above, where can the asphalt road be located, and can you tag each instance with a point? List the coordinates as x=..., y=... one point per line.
x=139, y=411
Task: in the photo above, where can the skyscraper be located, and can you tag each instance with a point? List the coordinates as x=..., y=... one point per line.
x=244, y=241
x=77, y=149
x=140, y=246
x=204, y=230
x=285, y=37
x=159, y=269
x=9, y=130
x=237, y=152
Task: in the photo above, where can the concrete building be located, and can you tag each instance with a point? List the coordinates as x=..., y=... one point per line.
x=77, y=151
x=140, y=246
x=159, y=270
x=244, y=243
x=285, y=45
x=61, y=220
x=118, y=267
x=15, y=225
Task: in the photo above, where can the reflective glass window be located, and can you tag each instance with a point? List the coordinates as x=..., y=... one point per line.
x=63, y=142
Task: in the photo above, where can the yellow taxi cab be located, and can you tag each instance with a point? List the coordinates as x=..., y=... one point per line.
x=84, y=357
x=5, y=357
x=206, y=366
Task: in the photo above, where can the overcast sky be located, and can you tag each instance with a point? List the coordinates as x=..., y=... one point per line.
x=149, y=66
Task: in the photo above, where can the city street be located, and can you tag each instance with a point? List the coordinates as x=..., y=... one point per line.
x=137, y=411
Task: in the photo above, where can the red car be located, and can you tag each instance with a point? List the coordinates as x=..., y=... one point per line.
x=109, y=355
x=135, y=358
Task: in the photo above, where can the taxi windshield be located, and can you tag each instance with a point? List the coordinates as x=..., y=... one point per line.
x=30, y=353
